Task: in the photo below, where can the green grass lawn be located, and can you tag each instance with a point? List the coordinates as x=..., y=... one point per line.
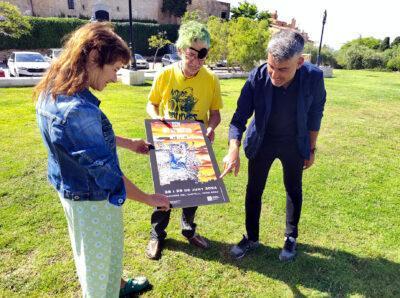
x=349, y=231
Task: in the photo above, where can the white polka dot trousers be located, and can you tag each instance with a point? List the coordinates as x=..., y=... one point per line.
x=97, y=238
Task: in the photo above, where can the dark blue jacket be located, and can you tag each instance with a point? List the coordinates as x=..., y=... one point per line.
x=256, y=96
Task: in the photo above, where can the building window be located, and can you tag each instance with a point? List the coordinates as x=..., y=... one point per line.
x=223, y=15
x=83, y=6
x=71, y=4
x=117, y=8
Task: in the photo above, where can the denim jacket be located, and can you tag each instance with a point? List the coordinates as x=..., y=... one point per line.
x=82, y=157
x=256, y=97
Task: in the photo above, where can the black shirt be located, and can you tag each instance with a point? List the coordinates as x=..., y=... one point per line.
x=282, y=121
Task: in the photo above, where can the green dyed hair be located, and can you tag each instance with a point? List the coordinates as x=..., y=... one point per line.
x=190, y=32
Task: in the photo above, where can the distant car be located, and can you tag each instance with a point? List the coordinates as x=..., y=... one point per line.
x=221, y=63
x=141, y=63
x=54, y=53
x=27, y=64
x=168, y=59
x=2, y=73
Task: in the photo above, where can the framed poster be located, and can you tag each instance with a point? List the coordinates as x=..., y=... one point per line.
x=183, y=163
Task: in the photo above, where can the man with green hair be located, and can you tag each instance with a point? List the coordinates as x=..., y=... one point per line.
x=185, y=90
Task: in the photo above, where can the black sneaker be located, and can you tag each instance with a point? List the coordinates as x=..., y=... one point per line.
x=245, y=245
x=289, y=249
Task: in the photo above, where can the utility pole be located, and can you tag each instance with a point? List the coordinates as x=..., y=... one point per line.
x=320, y=41
x=131, y=47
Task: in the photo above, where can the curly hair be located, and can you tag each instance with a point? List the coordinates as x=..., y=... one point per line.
x=68, y=74
x=190, y=32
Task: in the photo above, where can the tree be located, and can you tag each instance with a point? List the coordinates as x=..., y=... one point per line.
x=394, y=64
x=245, y=9
x=157, y=42
x=354, y=56
x=248, y=10
x=395, y=42
x=385, y=44
x=247, y=42
x=32, y=10
x=393, y=58
x=327, y=54
x=369, y=42
x=373, y=59
x=12, y=22
x=175, y=7
x=219, y=30
x=263, y=15
x=195, y=15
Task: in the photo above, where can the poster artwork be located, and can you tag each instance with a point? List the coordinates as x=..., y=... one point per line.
x=183, y=163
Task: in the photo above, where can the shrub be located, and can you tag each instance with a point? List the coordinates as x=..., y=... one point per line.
x=44, y=33
x=143, y=31
x=394, y=63
x=354, y=57
x=393, y=58
x=360, y=57
x=373, y=59
x=369, y=42
x=328, y=56
x=50, y=33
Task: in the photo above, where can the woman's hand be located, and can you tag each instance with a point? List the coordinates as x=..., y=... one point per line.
x=158, y=200
x=136, y=145
x=139, y=146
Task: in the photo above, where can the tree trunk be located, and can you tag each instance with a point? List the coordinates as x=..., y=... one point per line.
x=155, y=57
x=33, y=12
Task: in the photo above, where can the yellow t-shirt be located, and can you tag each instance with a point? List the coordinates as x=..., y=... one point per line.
x=186, y=99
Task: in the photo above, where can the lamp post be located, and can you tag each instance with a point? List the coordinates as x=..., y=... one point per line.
x=131, y=47
x=320, y=41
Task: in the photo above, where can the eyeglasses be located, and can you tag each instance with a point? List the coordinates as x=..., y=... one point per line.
x=201, y=54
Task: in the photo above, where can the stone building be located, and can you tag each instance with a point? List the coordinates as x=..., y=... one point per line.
x=118, y=9
x=277, y=25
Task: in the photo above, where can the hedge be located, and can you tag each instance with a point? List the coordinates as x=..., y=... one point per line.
x=50, y=33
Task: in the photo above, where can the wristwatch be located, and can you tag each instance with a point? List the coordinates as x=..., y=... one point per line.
x=312, y=150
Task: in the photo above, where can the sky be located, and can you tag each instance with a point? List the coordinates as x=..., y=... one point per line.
x=346, y=19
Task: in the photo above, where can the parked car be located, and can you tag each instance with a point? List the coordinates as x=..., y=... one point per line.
x=168, y=59
x=221, y=63
x=141, y=63
x=27, y=64
x=54, y=53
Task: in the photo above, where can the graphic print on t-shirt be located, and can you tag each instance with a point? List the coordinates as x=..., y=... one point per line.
x=181, y=104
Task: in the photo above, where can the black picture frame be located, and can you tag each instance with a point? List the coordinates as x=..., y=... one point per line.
x=183, y=163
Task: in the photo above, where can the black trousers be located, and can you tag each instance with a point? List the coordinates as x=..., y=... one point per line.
x=160, y=221
x=258, y=169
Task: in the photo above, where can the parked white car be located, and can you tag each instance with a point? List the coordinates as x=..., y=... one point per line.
x=168, y=59
x=27, y=64
x=141, y=63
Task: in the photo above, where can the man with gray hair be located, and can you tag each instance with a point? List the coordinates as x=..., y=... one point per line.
x=287, y=97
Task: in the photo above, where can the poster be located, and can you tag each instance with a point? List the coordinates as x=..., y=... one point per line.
x=183, y=163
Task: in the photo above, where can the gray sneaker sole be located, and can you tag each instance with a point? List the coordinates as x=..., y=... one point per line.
x=240, y=256
x=287, y=257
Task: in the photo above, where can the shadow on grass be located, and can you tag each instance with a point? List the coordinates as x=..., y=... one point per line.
x=146, y=84
x=136, y=295
x=336, y=272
